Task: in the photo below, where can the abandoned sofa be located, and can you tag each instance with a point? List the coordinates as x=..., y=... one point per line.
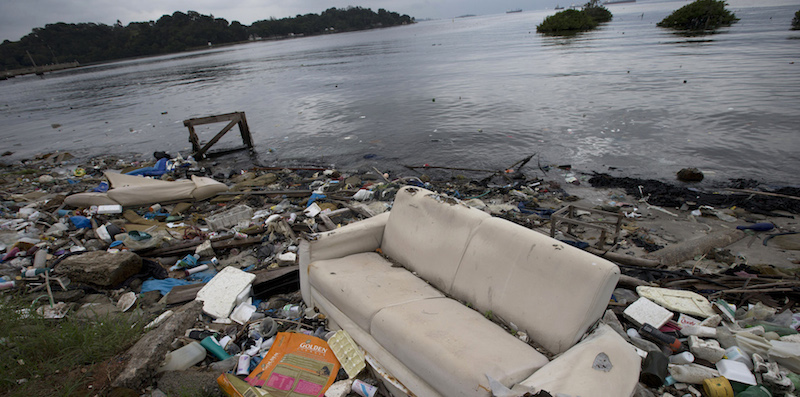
x=132, y=190
x=415, y=288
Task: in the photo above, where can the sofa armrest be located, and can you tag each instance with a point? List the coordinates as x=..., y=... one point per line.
x=602, y=365
x=361, y=236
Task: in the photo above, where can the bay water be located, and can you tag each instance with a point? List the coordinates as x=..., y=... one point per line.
x=480, y=92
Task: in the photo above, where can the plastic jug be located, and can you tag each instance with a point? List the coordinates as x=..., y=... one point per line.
x=183, y=358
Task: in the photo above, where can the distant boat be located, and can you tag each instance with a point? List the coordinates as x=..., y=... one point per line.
x=558, y=7
x=618, y=1
x=513, y=11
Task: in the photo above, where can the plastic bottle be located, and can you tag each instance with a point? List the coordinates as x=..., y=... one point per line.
x=40, y=258
x=681, y=358
x=364, y=389
x=6, y=285
x=183, y=358
x=244, y=365
x=196, y=269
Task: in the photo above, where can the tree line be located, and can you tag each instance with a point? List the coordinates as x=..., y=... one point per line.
x=92, y=42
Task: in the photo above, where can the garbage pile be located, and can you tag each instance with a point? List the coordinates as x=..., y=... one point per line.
x=217, y=278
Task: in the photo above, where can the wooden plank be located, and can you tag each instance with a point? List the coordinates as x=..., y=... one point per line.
x=247, y=139
x=199, y=153
x=193, y=138
x=183, y=293
x=213, y=119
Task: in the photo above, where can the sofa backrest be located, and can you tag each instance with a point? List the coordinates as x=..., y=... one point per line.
x=549, y=289
x=428, y=233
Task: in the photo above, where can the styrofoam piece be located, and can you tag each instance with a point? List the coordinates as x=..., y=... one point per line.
x=691, y=373
x=340, y=388
x=347, y=352
x=230, y=217
x=678, y=300
x=221, y=294
x=242, y=313
x=708, y=350
x=646, y=311
x=109, y=209
x=736, y=371
x=736, y=353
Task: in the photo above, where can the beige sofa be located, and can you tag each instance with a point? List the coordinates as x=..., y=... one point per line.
x=419, y=306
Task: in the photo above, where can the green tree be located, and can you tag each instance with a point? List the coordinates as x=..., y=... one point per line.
x=702, y=15
x=796, y=21
x=596, y=10
x=567, y=21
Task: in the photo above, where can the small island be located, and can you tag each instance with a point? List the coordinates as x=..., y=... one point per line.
x=573, y=21
x=796, y=21
x=700, y=16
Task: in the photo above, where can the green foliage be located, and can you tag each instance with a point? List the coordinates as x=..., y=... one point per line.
x=90, y=42
x=567, y=21
x=43, y=357
x=700, y=15
x=796, y=21
x=595, y=10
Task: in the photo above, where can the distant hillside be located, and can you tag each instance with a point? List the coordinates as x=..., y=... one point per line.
x=91, y=42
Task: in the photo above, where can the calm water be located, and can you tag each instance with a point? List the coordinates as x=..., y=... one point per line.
x=471, y=92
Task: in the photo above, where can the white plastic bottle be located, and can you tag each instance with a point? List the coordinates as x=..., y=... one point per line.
x=183, y=358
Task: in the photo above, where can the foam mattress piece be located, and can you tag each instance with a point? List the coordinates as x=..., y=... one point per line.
x=362, y=284
x=452, y=347
x=220, y=295
x=680, y=301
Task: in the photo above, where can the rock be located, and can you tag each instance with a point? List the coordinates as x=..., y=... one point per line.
x=149, y=298
x=68, y=296
x=690, y=175
x=190, y=383
x=95, y=245
x=354, y=181
x=142, y=360
x=100, y=267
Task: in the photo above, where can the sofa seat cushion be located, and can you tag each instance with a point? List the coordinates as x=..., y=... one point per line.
x=453, y=347
x=362, y=284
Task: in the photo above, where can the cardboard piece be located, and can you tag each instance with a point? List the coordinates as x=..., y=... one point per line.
x=297, y=365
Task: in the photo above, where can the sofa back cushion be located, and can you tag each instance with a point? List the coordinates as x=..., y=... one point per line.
x=549, y=289
x=428, y=233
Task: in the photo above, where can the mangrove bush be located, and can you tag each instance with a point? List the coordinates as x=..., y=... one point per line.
x=699, y=16
x=796, y=21
x=569, y=21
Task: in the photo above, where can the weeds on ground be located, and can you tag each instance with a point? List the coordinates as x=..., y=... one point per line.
x=46, y=357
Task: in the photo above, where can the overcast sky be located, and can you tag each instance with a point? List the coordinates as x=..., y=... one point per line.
x=18, y=17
